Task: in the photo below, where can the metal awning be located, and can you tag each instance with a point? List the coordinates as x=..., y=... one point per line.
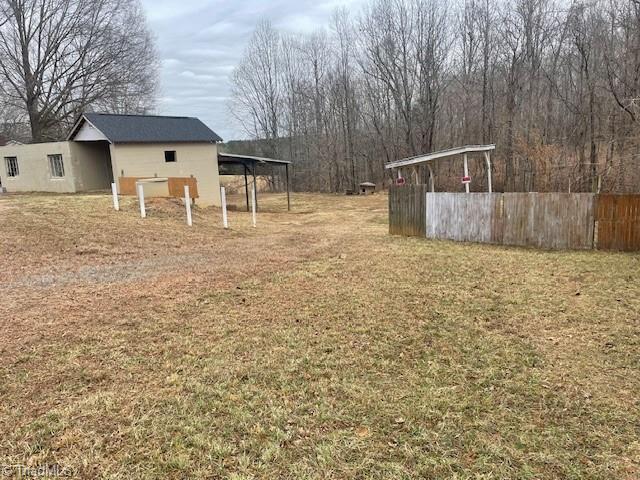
x=235, y=164
x=234, y=158
x=441, y=154
x=451, y=152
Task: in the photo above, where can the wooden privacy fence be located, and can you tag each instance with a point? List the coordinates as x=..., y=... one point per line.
x=406, y=210
x=545, y=220
x=618, y=222
x=454, y=211
x=548, y=220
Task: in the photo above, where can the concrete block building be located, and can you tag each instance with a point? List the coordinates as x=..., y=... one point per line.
x=103, y=148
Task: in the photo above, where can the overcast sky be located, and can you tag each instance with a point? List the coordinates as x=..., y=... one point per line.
x=200, y=42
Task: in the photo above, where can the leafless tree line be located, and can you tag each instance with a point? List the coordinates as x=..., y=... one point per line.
x=59, y=58
x=554, y=84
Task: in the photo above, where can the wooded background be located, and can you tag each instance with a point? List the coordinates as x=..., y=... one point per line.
x=555, y=84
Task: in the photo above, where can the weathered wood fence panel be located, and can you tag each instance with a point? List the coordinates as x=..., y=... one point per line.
x=549, y=220
x=128, y=185
x=177, y=184
x=618, y=222
x=463, y=217
x=406, y=210
x=545, y=220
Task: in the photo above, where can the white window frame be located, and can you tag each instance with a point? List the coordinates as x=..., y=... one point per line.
x=15, y=171
x=53, y=165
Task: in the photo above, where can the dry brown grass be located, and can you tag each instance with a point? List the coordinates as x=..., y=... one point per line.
x=315, y=346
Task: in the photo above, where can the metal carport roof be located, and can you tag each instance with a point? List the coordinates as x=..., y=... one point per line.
x=235, y=164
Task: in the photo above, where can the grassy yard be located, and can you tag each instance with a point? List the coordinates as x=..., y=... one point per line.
x=315, y=346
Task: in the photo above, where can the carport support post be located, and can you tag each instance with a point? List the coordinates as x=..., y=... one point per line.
x=255, y=188
x=487, y=158
x=432, y=180
x=246, y=185
x=114, y=191
x=466, y=172
x=143, y=212
x=286, y=168
x=253, y=206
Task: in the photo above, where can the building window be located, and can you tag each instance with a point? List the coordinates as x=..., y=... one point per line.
x=170, y=156
x=56, y=166
x=12, y=166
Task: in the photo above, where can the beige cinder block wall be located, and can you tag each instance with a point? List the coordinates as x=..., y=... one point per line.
x=34, y=171
x=199, y=160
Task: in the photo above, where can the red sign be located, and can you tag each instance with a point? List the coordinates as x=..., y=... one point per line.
x=466, y=179
x=400, y=181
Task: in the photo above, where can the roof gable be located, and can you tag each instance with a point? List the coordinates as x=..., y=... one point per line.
x=146, y=129
x=88, y=133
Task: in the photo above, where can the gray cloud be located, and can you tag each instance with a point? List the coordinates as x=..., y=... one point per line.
x=200, y=42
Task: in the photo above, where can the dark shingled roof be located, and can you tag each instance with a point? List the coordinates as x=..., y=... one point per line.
x=149, y=129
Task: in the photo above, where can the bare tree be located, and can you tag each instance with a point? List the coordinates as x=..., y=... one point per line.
x=345, y=43
x=388, y=33
x=61, y=57
x=257, y=94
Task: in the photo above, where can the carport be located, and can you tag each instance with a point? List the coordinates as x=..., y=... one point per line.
x=233, y=164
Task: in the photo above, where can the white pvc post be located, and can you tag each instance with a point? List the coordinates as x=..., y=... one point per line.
x=143, y=211
x=466, y=172
x=253, y=205
x=114, y=191
x=187, y=203
x=223, y=198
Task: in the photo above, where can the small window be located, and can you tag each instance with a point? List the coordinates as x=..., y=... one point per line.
x=56, y=166
x=170, y=156
x=12, y=166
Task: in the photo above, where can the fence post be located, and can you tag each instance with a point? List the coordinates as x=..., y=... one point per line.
x=466, y=172
x=143, y=211
x=594, y=234
x=114, y=192
x=187, y=203
x=223, y=197
x=253, y=205
x=426, y=218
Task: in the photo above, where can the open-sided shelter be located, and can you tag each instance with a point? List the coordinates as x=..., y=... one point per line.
x=413, y=163
x=244, y=165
